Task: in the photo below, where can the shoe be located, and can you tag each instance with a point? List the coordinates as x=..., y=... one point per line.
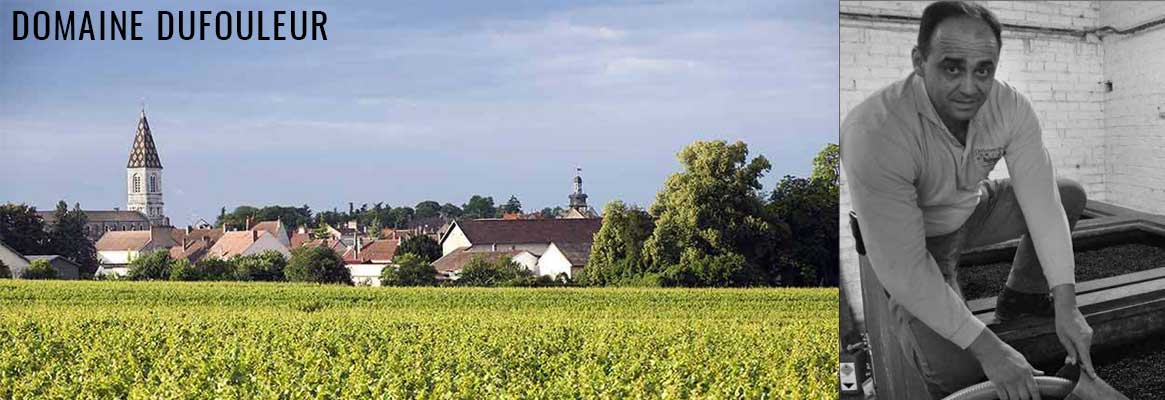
x=1012, y=305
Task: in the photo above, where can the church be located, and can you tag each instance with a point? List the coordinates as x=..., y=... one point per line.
x=143, y=186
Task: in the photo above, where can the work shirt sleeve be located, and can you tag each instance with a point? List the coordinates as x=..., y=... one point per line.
x=881, y=174
x=1034, y=182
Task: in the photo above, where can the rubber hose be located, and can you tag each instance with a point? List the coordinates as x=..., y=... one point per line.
x=1048, y=385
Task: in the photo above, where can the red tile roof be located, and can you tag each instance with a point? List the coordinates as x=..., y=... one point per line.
x=269, y=226
x=233, y=243
x=382, y=249
x=483, y=231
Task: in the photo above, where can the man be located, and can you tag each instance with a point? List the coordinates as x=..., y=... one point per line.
x=917, y=155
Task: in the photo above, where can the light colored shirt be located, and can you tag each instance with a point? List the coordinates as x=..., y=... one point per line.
x=909, y=179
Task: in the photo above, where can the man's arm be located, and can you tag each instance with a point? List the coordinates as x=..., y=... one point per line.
x=1034, y=181
x=881, y=176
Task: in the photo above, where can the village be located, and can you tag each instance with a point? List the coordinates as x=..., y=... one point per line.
x=555, y=245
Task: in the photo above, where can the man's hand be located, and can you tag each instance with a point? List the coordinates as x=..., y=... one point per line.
x=1072, y=329
x=1013, y=377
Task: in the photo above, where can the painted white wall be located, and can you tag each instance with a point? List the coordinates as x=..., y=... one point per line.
x=116, y=257
x=553, y=262
x=454, y=240
x=366, y=274
x=526, y=260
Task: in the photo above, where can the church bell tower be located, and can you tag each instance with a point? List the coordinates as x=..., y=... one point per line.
x=144, y=176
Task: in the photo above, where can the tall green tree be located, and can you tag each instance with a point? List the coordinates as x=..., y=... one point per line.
x=827, y=167
x=479, y=207
x=512, y=206
x=448, y=210
x=809, y=207
x=427, y=209
x=550, y=213
x=421, y=246
x=67, y=238
x=713, y=208
x=617, y=252
x=22, y=229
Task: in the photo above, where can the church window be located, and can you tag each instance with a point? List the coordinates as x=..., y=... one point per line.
x=137, y=183
x=153, y=184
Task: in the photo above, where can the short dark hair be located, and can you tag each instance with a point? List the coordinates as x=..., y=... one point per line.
x=939, y=11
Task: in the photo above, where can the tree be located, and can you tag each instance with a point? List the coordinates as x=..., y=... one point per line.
x=809, y=207
x=154, y=265
x=479, y=207
x=448, y=210
x=410, y=271
x=827, y=167
x=266, y=266
x=427, y=209
x=481, y=271
x=512, y=206
x=422, y=246
x=317, y=264
x=617, y=251
x=713, y=208
x=5, y=272
x=67, y=238
x=700, y=269
x=39, y=269
x=22, y=229
x=551, y=213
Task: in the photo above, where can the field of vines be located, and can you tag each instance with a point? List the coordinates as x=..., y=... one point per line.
x=70, y=339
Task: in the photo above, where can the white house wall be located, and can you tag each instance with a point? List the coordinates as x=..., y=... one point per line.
x=553, y=262
x=454, y=240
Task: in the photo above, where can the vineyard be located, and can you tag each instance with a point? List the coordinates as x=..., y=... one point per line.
x=259, y=340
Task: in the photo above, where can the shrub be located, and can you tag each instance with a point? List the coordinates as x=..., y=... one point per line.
x=150, y=266
x=5, y=273
x=182, y=270
x=411, y=270
x=317, y=264
x=265, y=266
x=501, y=271
x=39, y=269
x=698, y=269
x=214, y=269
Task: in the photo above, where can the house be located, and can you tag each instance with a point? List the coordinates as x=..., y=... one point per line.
x=193, y=244
x=18, y=263
x=15, y=261
x=276, y=229
x=565, y=241
x=116, y=249
x=365, y=262
x=241, y=243
x=564, y=258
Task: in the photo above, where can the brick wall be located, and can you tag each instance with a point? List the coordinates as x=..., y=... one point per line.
x=1061, y=74
x=1135, y=109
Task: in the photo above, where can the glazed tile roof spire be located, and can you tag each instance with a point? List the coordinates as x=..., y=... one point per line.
x=143, y=153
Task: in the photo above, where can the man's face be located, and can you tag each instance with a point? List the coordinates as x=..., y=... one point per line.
x=959, y=69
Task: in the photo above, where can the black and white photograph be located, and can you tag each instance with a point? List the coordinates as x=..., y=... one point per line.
x=1002, y=202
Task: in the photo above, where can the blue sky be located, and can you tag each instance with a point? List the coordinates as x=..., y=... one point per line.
x=420, y=100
